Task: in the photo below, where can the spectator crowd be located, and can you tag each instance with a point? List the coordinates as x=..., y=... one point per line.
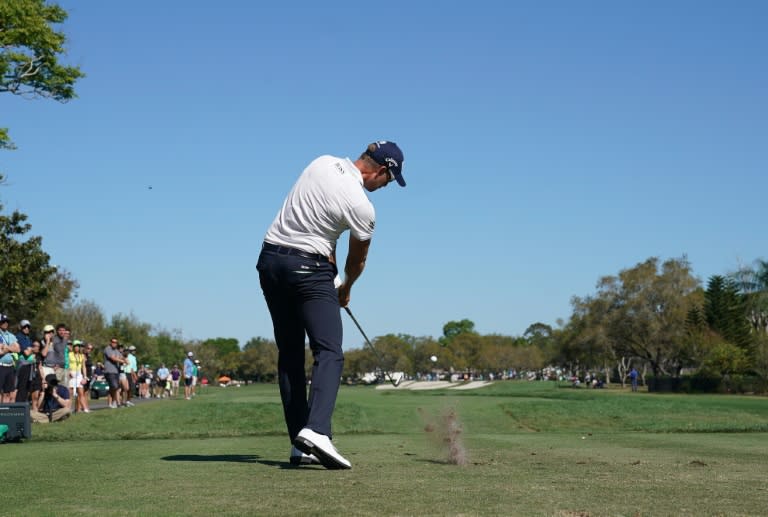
x=56, y=374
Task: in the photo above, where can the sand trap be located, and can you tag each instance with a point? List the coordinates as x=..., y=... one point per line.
x=471, y=385
x=434, y=385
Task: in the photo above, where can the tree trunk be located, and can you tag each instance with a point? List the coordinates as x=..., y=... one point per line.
x=623, y=367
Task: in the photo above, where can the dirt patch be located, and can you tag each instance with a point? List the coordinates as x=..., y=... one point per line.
x=445, y=431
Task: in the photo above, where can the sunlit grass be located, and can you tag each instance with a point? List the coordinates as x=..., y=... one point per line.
x=532, y=449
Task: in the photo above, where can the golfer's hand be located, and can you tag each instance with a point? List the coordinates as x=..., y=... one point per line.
x=344, y=295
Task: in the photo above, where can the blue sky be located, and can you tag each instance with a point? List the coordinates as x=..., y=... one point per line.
x=546, y=144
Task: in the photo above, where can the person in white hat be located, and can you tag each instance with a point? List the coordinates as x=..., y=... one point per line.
x=9, y=347
x=46, y=345
x=189, y=374
x=131, y=372
x=23, y=336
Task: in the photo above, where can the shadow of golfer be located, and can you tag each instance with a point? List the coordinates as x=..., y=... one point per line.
x=288, y=465
x=238, y=458
x=230, y=458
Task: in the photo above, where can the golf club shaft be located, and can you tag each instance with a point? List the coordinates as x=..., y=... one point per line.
x=370, y=345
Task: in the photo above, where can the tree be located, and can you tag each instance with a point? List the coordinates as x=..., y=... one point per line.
x=30, y=49
x=221, y=346
x=642, y=313
x=726, y=312
x=169, y=348
x=26, y=277
x=752, y=283
x=423, y=350
x=455, y=328
x=86, y=320
x=725, y=359
x=129, y=330
x=219, y=355
x=543, y=337
x=699, y=338
x=258, y=360
x=588, y=339
x=62, y=293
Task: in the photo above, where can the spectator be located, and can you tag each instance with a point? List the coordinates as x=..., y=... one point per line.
x=68, y=341
x=46, y=346
x=125, y=387
x=189, y=372
x=633, y=377
x=36, y=383
x=195, y=376
x=23, y=337
x=77, y=375
x=55, y=358
x=9, y=351
x=113, y=360
x=143, y=377
x=175, y=376
x=88, y=371
x=25, y=370
x=56, y=404
x=162, y=381
x=131, y=373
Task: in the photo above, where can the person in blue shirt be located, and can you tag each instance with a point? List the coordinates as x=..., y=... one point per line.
x=633, y=375
x=189, y=373
x=9, y=352
x=56, y=404
x=162, y=381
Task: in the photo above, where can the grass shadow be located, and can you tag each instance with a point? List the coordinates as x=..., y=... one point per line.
x=229, y=458
x=289, y=466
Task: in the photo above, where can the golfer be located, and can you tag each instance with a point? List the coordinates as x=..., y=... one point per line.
x=298, y=275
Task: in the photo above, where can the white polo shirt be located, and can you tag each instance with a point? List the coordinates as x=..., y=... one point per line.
x=327, y=199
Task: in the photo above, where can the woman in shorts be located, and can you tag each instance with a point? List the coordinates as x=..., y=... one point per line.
x=77, y=376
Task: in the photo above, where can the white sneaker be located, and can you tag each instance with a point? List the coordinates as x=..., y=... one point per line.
x=299, y=458
x=310, y=442
x=113, y=406
x=128, y=403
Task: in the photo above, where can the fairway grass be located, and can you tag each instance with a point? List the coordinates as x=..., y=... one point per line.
x=532, y=449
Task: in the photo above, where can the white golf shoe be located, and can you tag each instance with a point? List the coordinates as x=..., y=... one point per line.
x=299, y=458
x=319, y=445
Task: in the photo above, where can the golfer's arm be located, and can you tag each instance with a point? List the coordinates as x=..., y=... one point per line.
x=358, y=253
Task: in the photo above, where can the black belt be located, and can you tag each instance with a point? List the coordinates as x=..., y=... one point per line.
x=285, y=250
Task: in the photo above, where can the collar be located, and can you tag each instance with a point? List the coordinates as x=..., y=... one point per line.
x=354, y=170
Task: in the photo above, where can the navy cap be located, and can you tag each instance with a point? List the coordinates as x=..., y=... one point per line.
x=389, y=154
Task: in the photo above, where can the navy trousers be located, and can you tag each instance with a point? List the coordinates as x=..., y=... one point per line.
x=303, y=303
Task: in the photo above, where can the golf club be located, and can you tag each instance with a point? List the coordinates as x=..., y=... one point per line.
x=387, y=375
